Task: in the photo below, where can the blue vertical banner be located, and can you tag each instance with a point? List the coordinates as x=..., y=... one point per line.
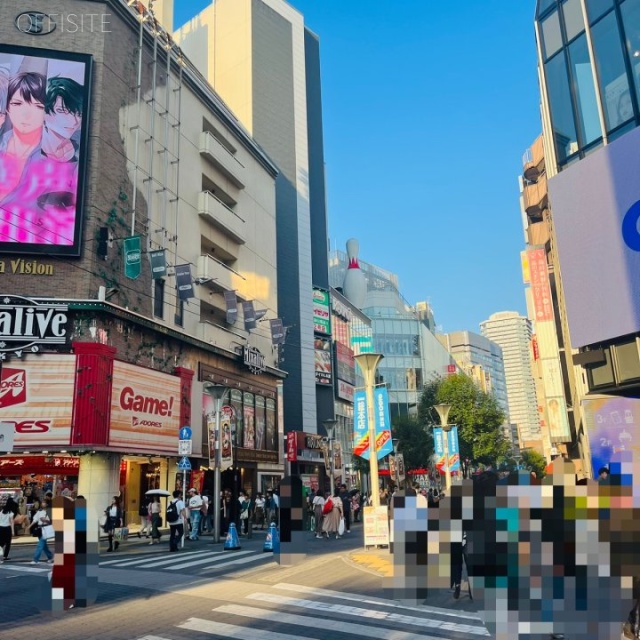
x=438, y=443
x=454, y=450
x=384, y=445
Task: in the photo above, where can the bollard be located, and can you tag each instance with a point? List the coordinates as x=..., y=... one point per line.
x=272, y=541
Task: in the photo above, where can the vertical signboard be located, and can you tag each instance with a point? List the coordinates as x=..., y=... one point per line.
x=454, y=450
x=322, y=356
x=384, y=445
x=438, y=445
x=321, y=316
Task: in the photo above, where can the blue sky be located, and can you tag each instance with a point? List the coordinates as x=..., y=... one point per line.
x=428, y=109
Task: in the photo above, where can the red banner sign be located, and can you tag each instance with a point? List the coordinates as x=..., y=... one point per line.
x=40, y=465
x=292, y=450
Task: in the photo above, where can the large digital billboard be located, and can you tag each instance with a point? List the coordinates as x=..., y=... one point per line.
x=596, y=211
x=44, y=105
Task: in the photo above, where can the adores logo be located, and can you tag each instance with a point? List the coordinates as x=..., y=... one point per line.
x=143, y=422
x=13, y=387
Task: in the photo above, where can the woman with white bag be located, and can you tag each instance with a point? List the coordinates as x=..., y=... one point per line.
x=41, y=526
x=6, y=531
x=334, y=516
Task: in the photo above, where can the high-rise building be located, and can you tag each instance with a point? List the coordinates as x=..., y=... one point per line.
x=265, y=63
x=589, y=70
x=412, y=354
x=512, y=333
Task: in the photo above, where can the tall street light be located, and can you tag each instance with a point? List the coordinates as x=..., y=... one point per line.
x=443, y=411
x=368, y=363
x=329, y=427
x=217, y=393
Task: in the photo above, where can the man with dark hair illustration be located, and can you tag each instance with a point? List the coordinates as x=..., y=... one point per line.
x=4, y=89
x=63, y=119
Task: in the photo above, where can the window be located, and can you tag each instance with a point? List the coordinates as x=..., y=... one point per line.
x=612, y=75
x=236, y=418
x=573, y=19
x=179, y=317
x=551, y=36
x=249, y=441
x=585, y=92
x=272, y=427
x=545, y=4
x=596, y=8
x=602, y=375
x=260, y=423
x=630, y=10
x=158, y=298
x=564, y=128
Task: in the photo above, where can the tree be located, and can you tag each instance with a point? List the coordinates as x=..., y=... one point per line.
x=415, y=443
x=534, y=461
x=475, y=412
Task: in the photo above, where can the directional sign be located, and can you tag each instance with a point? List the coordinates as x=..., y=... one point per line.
x=185, y=447
x=184, y=464
x=185, y=433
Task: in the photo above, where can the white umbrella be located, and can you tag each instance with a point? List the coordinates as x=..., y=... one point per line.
x=158, y=492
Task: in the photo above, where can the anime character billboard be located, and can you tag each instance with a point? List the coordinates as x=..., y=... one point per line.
x=44, y=101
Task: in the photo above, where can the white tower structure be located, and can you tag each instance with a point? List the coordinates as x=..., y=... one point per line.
x=355, y=282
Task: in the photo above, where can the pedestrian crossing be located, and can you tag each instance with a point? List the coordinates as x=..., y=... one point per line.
x=313, y=613
x=193, y=562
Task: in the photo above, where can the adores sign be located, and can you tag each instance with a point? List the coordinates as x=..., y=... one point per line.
x=145, y=409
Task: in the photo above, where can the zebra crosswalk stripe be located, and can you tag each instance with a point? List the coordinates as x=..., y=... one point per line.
x=341, y=595
x=232, y=631
x=156, y=559
x=254, y=558
x=218, y=556
x=377, y=614
x=327, y=624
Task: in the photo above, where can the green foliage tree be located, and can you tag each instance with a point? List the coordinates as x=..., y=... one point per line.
x=475, y=412
x=535, y=462
x=415, y=443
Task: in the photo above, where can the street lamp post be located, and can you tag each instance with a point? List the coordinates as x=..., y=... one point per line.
x=330, y=426
x=443, y=411
x=396, y=471
x=217, y=393
x=368, y=363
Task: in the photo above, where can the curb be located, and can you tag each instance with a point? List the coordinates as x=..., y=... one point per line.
x=372, y=562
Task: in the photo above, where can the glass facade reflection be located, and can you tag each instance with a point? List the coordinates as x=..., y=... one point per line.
x=591, y=72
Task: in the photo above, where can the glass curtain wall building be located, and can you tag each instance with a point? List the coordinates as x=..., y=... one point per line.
x=412, y=354
x=590, y=72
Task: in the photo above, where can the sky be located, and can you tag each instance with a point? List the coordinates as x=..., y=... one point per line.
x=428, y=108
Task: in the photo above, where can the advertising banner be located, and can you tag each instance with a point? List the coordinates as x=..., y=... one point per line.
x=36, y=398
x=376, y=526
x=249, y=314
x=321, y=316
x=231, y=304
x=145, y=409
x=540, y=287
x=384, y=445
x=362, y=344
x=345, y=391
x=43, y=149
x=596, y=210
x=158, y=261
x=292, y=446
x=345, y=363
x=132, y=257
x=612, y=426
x=277, y=331
x=184, y=283
x=454, y=449
x=322, y=357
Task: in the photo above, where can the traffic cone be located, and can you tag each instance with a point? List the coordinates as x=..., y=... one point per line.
x=272, y=541
x=232, y=543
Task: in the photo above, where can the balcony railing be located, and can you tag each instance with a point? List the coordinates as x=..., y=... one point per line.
x=536, y=196
x=217, y=275
x=217, y=213
x=216, y=153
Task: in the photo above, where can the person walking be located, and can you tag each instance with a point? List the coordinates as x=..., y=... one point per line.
x=41, y=519
x=156, y=520
x=176, y=517
x=6, y=531
x=259, y=513
x=346, y=507
x=332, y=516
x=145, y=519
x=195, y=509
x=318, y=504
x=113, y=522
x=244, y=504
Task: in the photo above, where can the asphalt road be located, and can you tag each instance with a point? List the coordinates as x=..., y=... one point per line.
x=147, y=593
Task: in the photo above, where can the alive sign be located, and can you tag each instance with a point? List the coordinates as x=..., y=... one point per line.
x=27, y=324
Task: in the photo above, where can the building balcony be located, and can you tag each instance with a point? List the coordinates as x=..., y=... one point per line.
x=216, y=212
x=536, y=197
x=533, y=160
x=217, y=275
x=224, y=161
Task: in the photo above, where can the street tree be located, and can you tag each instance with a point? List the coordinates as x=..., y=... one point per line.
x=415, y=443
x=476, y=413
x=534, y=461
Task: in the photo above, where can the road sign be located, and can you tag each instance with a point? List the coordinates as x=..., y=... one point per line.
x=185, y=447
x=184, y=464
x=185, y=433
